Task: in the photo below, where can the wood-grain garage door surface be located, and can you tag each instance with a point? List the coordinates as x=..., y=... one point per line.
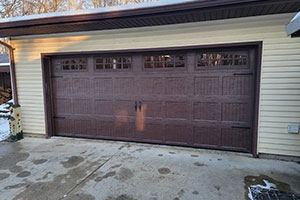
x=199, y=98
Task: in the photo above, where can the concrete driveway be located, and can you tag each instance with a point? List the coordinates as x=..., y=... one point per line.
x=77, y=169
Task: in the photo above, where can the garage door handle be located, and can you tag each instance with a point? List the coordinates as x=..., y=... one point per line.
x=241, y=127
x=243, y=74
x=140, y=106
x=135, y=106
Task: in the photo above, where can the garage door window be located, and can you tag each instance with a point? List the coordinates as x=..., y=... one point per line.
x=112, y=63
x=76, y=64
x=164, y=61
x=222, y=59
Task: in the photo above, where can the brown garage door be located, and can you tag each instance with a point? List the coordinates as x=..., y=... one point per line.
x=194, y=98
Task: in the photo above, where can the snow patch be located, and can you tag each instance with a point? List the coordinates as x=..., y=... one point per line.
x=129, y=6
x=3, y=107
x=4, y=124
x=4, y=129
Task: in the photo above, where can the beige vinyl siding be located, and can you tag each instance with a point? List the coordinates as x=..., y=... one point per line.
x=280, y=83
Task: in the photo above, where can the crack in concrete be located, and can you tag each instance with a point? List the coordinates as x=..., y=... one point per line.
x=86, y=178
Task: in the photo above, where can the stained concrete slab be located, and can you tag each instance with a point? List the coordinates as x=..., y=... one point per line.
x=66, y=168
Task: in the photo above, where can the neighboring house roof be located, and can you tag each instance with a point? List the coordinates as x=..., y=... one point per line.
x=293, y=28
x=4, y=63
x=146, y=14
x=4, y=59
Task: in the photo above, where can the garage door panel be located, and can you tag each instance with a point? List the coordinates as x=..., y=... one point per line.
x=176, y=86
x=152, y=132
x=178, y=134
x=124, y=108
x=81, y=87
x=62, y=87
x=82, y=106
x=103, y=107
x=62, y=107
x=64, y=127
x=102, y=86
x=236, y=138
x=206, y=111
x=124, y=86
x=177, y=110
x=210, y=123
x=104, y=129
x=230, y=98
x=208, y=85
x=83, y=127
x=237, y=85
x=152, y=109
x=125, y=131
x=150, y=86
x=236, y=112
x=206, y=136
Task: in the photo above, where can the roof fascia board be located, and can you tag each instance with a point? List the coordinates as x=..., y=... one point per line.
x=135, y=12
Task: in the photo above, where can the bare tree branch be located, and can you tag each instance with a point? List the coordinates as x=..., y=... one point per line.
x=12, y=8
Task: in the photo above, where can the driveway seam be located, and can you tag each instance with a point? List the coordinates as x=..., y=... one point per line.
x=87, y=177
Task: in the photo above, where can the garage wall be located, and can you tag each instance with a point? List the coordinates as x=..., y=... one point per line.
x=280, y=89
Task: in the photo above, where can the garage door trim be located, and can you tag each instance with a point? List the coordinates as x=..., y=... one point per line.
x=46, y=73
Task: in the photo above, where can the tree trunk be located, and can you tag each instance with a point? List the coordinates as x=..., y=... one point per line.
x=54, y=5
x=73, y=4
x=45, y=6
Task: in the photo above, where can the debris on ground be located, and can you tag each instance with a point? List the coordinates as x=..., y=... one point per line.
x=5, y=95
x=270, y=192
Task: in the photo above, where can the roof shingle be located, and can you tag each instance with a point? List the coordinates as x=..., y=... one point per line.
x=4, y=58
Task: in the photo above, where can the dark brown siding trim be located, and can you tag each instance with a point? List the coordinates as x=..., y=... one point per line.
x=46, y=77
x=46, y=70
x=257, y=95
x=161, y=15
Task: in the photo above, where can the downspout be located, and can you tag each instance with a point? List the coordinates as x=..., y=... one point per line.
x=12, y=72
